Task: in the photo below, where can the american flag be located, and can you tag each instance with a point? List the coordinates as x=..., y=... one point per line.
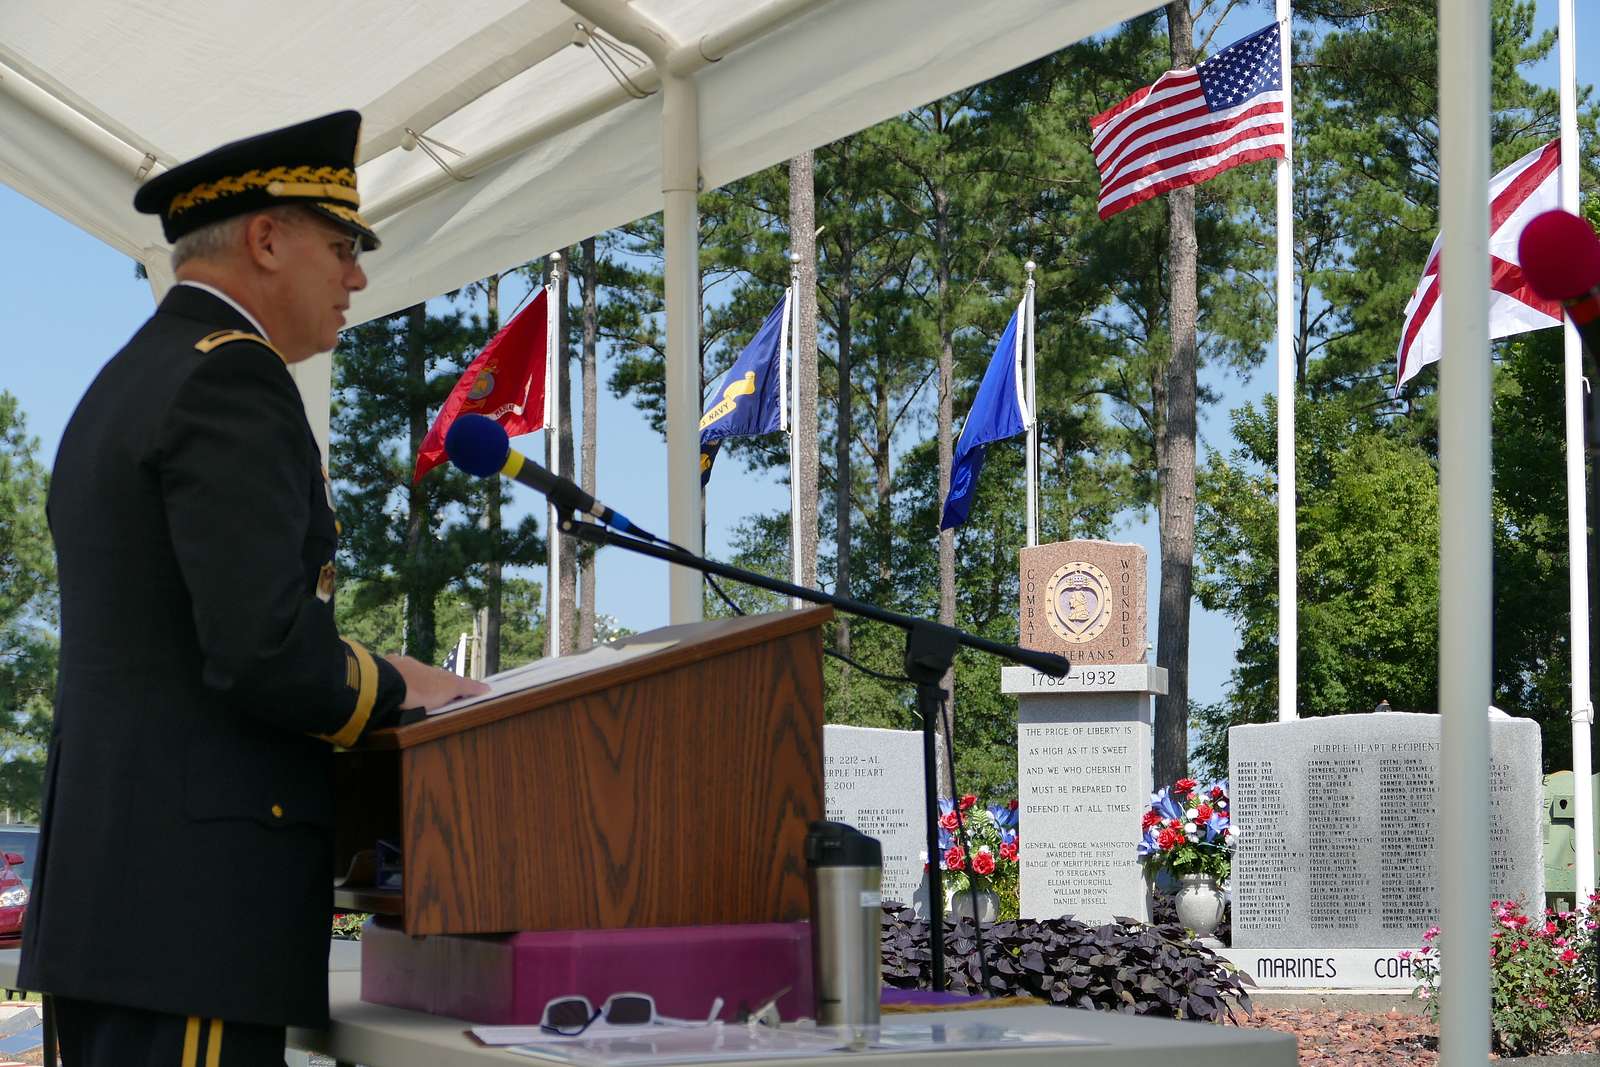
x=1193, y=124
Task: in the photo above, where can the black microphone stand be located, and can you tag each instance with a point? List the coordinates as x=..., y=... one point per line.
x=930, y=652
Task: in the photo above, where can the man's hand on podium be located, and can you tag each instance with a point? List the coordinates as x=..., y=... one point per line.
x=430, y=687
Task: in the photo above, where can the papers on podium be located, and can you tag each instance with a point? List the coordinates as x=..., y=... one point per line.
x=555, y=668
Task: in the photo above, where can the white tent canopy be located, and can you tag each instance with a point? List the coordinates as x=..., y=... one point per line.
x=544, y=146
x=95, y=94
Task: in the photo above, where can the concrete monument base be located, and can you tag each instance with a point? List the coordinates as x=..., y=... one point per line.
x=1083, y=783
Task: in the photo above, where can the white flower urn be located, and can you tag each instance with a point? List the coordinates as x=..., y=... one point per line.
x=1200, y=903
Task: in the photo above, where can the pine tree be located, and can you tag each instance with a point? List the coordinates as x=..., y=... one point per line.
x=406, y=540
x=28, y=614
x=588, y=272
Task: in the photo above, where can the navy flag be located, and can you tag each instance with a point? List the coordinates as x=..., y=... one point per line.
x=998, y=412
x=750, y=399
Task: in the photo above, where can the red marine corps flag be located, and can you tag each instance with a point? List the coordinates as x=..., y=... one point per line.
x=505, y=383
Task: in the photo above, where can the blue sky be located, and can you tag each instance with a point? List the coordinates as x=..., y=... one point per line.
x=68, y=302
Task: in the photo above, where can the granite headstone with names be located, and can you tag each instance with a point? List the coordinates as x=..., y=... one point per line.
x=1336, y=870
x=873, y=781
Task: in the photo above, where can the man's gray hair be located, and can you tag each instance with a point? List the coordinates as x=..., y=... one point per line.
x=215, y=238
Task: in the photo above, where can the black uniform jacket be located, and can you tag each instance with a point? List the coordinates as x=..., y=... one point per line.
x=185, y=862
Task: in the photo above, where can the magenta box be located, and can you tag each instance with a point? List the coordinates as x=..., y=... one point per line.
x=509, y=978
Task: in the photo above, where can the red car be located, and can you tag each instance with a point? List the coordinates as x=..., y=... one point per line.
x=13, y=901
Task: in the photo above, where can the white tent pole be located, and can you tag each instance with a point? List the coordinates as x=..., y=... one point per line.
x=137, y=163
x=1288, y=550
x=552, y=436
x=1465, y=545
x=1577, y=510
x=680, y=172
x=1032, y=445
x=680, y=188
x=314, y=378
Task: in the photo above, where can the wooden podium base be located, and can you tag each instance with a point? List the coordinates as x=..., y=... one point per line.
x=504, y=979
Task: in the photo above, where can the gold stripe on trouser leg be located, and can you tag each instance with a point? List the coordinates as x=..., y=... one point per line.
x=191, y=1041
x=214, y=1044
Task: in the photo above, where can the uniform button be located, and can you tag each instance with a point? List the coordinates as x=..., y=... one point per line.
x=277, y=811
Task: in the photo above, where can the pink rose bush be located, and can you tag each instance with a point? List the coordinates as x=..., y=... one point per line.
x=1542, y=971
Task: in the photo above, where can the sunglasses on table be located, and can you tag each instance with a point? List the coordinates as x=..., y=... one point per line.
x=571, y=1016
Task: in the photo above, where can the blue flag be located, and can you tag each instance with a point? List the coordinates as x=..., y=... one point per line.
x=996, y=414
x=748, y=400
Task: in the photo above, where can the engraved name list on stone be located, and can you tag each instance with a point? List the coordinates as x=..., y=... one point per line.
x=1407, y=814
x=872, y=780
x=1336, y=787
x=1339, y=828
x=1260, y=886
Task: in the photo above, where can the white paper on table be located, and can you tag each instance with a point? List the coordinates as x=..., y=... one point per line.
x=945, y=1036
x=523, y=1034
x=666, y=1045
x=554, y=669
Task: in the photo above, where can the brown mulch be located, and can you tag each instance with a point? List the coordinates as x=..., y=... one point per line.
x=1373, y=1039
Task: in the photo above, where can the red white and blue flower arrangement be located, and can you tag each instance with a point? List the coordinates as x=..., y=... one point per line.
x=1188, y=830
x=992, y=834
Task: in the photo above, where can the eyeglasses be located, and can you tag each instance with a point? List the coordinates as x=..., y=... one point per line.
x=346, y=246
x=571, y=1016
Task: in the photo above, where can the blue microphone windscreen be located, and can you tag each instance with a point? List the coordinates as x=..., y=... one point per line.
x=478, y=445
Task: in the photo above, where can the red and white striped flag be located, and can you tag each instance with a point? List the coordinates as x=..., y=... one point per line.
x=1193, y=124
x=1529, y=187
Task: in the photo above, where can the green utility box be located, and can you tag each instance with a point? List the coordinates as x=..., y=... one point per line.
x=1560, y=815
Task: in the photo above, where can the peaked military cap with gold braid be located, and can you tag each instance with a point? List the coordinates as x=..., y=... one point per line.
x=311, y=164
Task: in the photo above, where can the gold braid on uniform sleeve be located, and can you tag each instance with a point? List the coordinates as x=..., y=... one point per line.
x=361, y=676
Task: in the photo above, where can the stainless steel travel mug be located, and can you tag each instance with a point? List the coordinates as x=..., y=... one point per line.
x=846, y=877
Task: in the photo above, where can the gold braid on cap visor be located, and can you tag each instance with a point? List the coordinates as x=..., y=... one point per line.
x=332, y=183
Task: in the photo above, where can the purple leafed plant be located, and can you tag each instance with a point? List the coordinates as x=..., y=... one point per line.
x=1126, y=966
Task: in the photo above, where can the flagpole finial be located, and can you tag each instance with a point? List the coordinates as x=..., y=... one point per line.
x=1030, y=266
x=794, y=257
x=555, y=257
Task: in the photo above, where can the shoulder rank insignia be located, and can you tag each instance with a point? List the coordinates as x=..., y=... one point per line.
x=223, y=337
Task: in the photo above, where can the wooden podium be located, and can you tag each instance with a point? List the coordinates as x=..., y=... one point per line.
x=669, y=789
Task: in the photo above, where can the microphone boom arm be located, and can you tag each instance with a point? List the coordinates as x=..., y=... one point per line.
x=1045, y=662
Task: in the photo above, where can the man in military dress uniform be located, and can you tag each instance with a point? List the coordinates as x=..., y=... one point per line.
x=182, y=897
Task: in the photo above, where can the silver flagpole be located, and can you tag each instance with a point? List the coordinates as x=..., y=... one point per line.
x=1288, y=555
x=552, y=435
x=1577, y=511
x=1032, y=412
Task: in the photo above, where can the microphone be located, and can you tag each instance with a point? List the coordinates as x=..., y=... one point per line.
x=481, y=447
x=1560, y=258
